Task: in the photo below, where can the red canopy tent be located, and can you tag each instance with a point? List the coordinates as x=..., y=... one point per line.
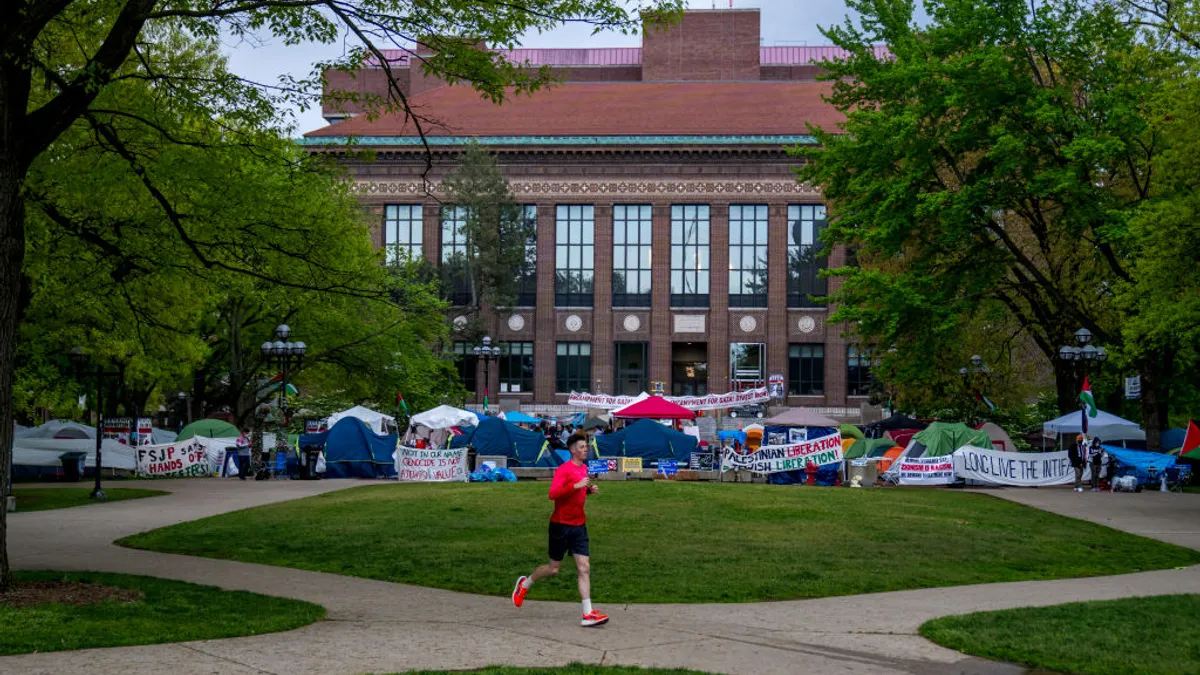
x=654, y=408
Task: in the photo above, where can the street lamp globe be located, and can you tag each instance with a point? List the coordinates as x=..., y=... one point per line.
x=977, y=360
x=283, y=331
x=266, y=348
x=487, y=341
x=1088, y=353
x=298, y=348
x=495, y=352
x=1101, y=355
x=1083, y=336
x=1067, y=353
x=962, y=371
x=477, y=350
x=278, y=348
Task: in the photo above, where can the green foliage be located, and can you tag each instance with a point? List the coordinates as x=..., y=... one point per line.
x=493, y=532
x=1110, y=637
x=169, y=611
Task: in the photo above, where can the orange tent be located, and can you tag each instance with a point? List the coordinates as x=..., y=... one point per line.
x=890, y=456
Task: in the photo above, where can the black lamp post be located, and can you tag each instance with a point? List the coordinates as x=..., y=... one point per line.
x=1081, y=359
x=488, y=353
x=80, y=361
x=285, y=354
x=968, y=373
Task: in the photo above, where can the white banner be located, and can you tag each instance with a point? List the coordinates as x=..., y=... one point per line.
x=926, y=471
x=1014, y=468
x=429, y=465
x=189, y=458
x=790, y=457
x=708, y=402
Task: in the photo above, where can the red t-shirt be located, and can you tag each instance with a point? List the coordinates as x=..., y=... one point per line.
x=568, y=501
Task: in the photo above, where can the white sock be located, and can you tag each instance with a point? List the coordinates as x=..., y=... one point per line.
x=526, y=583
x=587, y=606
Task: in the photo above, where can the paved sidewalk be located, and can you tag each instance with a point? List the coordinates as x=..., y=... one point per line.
x=379, y=627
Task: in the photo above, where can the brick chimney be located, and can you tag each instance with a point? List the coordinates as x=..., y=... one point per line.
x=705, y=45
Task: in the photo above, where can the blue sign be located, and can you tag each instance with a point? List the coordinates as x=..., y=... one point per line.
x=668, y=467
x=597, y=466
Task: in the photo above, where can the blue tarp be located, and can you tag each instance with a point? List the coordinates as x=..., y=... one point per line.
x=799, y=477
x=731, y=434
x=1139, y=461
x=352, y=450
x=494, y=436
x=647, y=439
x=518, y=417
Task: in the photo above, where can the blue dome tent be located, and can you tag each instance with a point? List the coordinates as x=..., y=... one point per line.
x=646, y=439
x=352, y=450
x=494, y=436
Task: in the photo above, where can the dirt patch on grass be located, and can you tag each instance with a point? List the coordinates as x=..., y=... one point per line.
x=31, y=593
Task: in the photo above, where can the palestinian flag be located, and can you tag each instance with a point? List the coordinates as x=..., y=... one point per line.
x=400, y=402
x=1085, y=398
x=274, y=383
x=1191, y=442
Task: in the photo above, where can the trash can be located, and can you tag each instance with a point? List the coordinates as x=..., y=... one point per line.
x=308, y=462
x=72, y=463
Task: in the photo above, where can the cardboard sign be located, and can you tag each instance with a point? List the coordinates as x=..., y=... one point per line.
x=926, y=471
x=427, y=465
x=792, y=457
x=189, y=458
x=597, y=466
x=122, y=429
x=631, y=464
x=668, y=467
x=701, y=461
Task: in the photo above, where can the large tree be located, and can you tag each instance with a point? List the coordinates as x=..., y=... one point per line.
x=992, y=159
x=58, y=58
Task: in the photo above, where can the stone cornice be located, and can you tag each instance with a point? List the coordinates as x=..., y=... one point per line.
x=526, y=141
x=525, y=189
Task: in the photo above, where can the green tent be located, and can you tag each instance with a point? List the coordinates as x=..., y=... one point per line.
x=943, y=438
x=851, y=431
x=208, y=429
x=863, y=447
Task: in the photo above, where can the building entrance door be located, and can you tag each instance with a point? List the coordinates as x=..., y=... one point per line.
x=632, y=363
x=689, y=369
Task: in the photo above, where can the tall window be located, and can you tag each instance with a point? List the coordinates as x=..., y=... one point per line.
x=527, y=272
x=806, y=370
x=402, y=232
x=466, y=361
x=574, y=367
x=806, y=258
x=455, y=284
x=748, y=255
x=689, y=255
x=858, y=371
x=516, y=367
x=631, y=255
x=747, y=365
x=573, y=266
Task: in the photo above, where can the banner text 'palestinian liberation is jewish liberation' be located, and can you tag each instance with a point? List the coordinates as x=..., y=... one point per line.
x=790, y=457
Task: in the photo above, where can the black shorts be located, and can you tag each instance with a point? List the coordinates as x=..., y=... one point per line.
x=565, y=539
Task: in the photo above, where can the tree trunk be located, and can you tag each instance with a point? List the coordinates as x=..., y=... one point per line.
x=12, y=259
x=1155, y=371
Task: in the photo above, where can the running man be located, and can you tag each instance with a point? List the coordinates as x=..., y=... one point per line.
x=568, y=530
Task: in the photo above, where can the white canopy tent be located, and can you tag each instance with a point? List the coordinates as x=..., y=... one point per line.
x=1105, y=426
x=49, y=452
x=444, y=417
x=373, y=419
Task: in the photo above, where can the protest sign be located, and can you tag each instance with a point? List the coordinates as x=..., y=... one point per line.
x=430, y=465
x=702, y=461
x=791, y=457
x=189, y=458
x=631, y=464
x=668, y=467
x=706, y=402
x=597, y=466
x=926, y=471
x=1013, y=468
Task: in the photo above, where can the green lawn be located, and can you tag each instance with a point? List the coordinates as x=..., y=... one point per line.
x=169, y=611
x=573, y=669
x=42, y=499
x=672, y=542
x=1114, y=637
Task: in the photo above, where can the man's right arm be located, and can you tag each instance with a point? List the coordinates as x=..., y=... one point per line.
x=561, y=487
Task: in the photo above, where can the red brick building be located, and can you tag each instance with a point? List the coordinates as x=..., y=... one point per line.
x=673, y=243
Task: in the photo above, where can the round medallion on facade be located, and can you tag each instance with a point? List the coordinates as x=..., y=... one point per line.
x=516, y=322
x=573, y=323
x=460, y=322
x=806, y=324
x=632, y=323
x=748, y=324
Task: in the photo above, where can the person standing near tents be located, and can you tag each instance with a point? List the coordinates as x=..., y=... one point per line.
x=568, y=530
x=1097, y=462
x=1078, y=456
x=243, y=454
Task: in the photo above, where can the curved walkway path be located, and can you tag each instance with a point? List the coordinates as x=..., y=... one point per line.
x=380, y=627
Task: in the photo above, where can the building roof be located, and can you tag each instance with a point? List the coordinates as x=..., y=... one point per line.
x=611, y=109
x=632, y=56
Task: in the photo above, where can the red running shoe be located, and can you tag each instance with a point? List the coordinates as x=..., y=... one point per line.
x=519, y=592
x=594, y=618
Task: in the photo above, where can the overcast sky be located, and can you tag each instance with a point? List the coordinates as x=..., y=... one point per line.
x=784, y=22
